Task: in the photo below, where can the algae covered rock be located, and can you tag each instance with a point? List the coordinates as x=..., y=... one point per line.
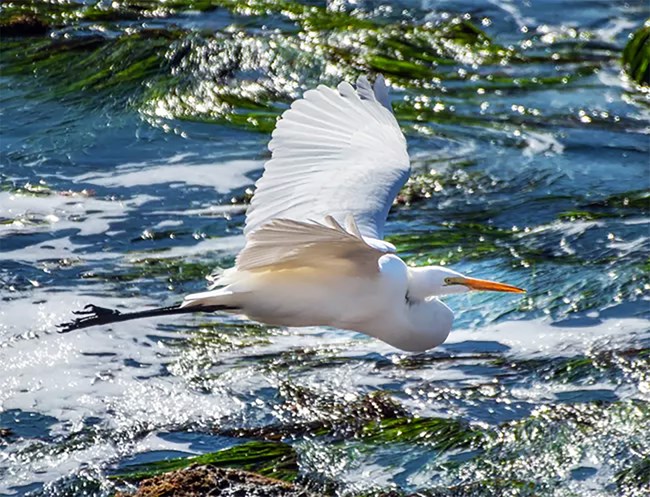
x=270, y=459
x=201, y=480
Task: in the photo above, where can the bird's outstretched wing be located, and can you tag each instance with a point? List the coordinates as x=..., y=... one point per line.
x=288, y=244
x=334, y=152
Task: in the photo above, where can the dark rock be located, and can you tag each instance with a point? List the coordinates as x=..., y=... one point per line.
x=202, y=480
x=23, y=25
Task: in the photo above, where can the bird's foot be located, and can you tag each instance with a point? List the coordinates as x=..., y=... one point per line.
x=92, y=315
x=91, y=309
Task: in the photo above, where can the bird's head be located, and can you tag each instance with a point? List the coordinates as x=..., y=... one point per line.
x=437, y=281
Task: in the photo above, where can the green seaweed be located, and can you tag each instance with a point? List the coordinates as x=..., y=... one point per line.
x=597, y=365
x=272, y=459
x=636, y=199
x=58, y=14
x=635, y=476
x=441, y=433
x=173, y=269
x=627, y=204
x=580, y=215
x=636, y=55
x=27, y=189
x=453, y=242
x=94, y=64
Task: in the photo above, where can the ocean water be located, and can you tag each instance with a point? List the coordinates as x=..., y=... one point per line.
x=130, y=142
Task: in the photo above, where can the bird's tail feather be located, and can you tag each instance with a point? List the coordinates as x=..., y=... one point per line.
x=93, y=315
x=216, y=297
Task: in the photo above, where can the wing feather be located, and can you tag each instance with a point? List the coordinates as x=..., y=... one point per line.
x=336, y=152
x=288, y=244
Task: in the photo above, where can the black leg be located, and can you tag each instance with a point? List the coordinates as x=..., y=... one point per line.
x=94, y=315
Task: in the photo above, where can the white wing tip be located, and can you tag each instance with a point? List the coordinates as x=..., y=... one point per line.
x=378, y=92
x=381, y=92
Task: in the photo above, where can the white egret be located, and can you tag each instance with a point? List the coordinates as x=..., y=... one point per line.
x=314, y=253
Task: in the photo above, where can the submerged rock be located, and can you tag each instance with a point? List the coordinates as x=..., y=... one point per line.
x=23, y=25
x=201, y=480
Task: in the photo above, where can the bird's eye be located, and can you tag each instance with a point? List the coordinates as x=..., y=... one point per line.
x=447, y=281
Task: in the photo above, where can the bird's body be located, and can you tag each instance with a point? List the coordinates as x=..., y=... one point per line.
x=314, y=252
x=375, y=304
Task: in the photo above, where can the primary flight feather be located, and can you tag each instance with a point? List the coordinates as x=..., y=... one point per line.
x=335, y=153
x=314, y=252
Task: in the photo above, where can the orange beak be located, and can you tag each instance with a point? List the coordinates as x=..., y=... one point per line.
x=485, y=285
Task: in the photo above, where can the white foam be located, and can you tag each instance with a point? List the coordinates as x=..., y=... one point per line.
x=222, y=176
x=540, y=338
x=615, y=26
x=538, y=142
x=224, y=245
x=59, y=211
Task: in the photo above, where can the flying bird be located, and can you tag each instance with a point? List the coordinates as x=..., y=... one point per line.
x=314, y=252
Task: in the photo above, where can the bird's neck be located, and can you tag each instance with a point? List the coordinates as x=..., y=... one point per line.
x=429, y=281
x=421, y=283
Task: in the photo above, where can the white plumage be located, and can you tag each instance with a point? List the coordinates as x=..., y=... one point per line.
x=314, y=254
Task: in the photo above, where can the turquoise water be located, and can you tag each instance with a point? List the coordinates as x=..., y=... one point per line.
x=126, y=160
